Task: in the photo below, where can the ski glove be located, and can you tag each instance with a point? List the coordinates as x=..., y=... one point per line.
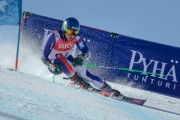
x=54, y=69
x=78, y=60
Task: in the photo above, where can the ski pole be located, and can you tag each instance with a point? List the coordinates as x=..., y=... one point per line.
x=124, y=69
x=58, y=70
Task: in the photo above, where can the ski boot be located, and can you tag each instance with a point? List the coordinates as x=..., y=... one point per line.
x=79, y=81
x=106, y=90
x=109, y=92
x=116, y=93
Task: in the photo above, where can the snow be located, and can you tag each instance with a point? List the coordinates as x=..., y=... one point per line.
x=25, y=96
x=31, y=94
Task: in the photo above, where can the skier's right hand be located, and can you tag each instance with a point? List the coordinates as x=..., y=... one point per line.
x=54, y=69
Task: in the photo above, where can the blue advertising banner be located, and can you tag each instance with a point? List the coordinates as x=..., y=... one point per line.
x=118, y=58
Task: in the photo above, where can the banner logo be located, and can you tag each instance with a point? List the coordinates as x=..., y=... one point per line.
x=166, y=77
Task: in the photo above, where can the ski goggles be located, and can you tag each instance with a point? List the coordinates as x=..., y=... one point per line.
x=72, y=32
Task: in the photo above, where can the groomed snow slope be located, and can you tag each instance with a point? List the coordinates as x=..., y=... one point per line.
x=26, y=97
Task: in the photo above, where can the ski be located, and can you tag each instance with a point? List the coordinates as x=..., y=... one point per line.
x=121, y=97
x=130, y=100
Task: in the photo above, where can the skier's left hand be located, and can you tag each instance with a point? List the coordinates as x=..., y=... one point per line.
x=78, y=60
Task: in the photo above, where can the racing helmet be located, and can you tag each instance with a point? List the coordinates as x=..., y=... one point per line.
x=71, y=26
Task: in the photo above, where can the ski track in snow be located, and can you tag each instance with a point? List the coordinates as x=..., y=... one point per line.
x=26, y=97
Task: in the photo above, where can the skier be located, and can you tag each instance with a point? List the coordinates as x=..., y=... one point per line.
x=57, y=55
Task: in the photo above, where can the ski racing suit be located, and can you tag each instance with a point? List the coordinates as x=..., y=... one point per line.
x=59, y=52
